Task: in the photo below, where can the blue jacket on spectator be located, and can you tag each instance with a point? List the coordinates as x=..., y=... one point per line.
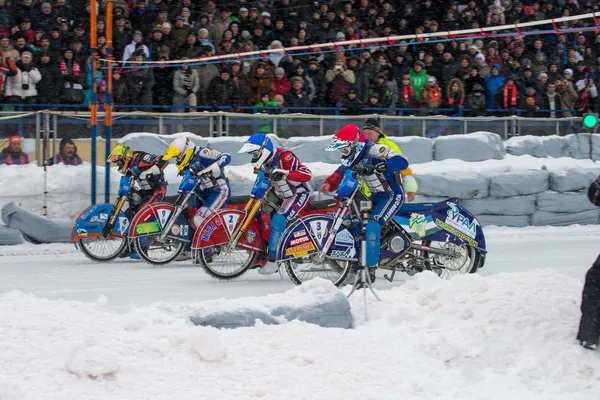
x=492, y=85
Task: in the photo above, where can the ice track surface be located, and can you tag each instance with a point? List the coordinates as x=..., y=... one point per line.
x=505, y=333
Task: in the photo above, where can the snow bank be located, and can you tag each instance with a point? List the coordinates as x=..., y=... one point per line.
x=317, y=302
x=35, y=228
x=503, y=336
x=537, y=146
x=478, y=146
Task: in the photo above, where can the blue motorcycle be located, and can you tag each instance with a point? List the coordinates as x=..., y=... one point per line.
x=100, y=231
x=441, y=237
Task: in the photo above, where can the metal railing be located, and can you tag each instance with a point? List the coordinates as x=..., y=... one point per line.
x=75, y=124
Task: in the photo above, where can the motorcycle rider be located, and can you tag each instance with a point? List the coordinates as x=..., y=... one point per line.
x=381, y=169
x=588, y=334
x=375, y=135
x=207, y=165
x=288, y=179
x=147, y=170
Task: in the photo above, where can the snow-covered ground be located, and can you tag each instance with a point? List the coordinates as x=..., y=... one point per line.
x=74, y=329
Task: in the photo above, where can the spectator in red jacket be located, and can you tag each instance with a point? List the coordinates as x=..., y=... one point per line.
x=13, y=155
x=280, y=82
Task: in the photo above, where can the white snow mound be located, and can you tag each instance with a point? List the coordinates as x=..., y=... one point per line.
x=504, y=336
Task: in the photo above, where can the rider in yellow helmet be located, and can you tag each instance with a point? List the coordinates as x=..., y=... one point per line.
x=147, y=170
x=375, y=135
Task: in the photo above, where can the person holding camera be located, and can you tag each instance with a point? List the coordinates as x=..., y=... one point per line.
x=340, y=80
x=21, y=80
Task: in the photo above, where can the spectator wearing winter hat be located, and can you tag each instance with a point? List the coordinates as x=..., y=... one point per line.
x=530, y=101
x=52, y=82
x=180, y=32
x=431, y=95
x=418, y=77
x=507, y=97
x=492, y=85
x=476, y=101
x=298, y=96
x=351, y=103
x=280, y=82
x=134, y=45
x=261, y=81
x=13, y=154
x=186, y=84
x=67, y=153
x=223, y=92
x=21, y=80
x=539, y=64
x=142, y=18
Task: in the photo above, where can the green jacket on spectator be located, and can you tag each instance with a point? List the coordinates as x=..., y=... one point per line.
x=417, y=80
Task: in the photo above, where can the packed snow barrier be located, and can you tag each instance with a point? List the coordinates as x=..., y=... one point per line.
x=312, y=149
x=418, y=150
x=513, y=221
x=573, y=179
x=34, y=228
x=518, y=183
x=317, y=302
x=578, y=146
x=541, y=147
x=10, y=236
x=520, y=205
x=568, y=202
x=459, y=184
x=541, y=218
x=478, y=146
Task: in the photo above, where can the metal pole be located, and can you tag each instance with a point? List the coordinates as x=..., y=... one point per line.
x=226, y=125
x=211, y=128
x=46, y=159
x=423, y=126
x=38, y=149
x=109, y=99
x=321, y=127
x=54, y=133
x=93, y=103
x=161, y=128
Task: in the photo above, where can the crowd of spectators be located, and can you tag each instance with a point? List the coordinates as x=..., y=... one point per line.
x=45, y=55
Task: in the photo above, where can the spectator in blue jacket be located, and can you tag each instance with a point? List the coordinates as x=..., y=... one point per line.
x=492, y=85
x=13, y=154
x=67, y=153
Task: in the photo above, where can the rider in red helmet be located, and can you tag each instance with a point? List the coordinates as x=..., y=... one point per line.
x=380, y=168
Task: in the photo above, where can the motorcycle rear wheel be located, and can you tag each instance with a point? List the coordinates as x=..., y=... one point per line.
x=91, y=247
x=468, y=262
x=235, y=262
x=171, y=247
x=340, y=270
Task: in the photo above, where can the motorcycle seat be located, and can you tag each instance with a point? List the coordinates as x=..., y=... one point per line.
x=239, y=199
x=418, y=206
x=321, y=205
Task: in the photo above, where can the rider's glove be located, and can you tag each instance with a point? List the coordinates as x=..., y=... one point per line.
x=279, y=174
x=211, y=169
x=150, y=171
x=136, y=198
x=381, y=168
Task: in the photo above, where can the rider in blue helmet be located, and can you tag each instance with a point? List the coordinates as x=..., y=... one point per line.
x=288, y=179
x=380, y=168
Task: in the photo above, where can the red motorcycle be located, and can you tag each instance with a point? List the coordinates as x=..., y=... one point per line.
x=232, y=240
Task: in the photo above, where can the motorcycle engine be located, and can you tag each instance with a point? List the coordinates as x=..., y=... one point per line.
x=397, y=243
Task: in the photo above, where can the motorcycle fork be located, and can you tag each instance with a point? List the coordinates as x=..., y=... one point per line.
x=252, y=207
x=178, y=211
x=113, y=217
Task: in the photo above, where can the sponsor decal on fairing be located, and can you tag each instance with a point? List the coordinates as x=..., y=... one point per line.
x=208, y=231
x=299, y=240
x=344, y=237
x=250, y=236
x=460, y=222
x=300, y=250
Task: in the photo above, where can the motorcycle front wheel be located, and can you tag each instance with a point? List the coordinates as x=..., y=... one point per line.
x=156, y=251
x=221, y=263
x=466, y=260
x=102, y=249
x=304, y=269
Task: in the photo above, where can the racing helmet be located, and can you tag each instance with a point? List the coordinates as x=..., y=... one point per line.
x=182, y=148
x=260, y=147
x=121, y=156
x=351, y=142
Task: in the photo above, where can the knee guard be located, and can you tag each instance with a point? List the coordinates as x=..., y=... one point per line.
x=278, y=225
x=372, y=244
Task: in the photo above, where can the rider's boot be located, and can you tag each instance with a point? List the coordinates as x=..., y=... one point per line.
x=269, y=268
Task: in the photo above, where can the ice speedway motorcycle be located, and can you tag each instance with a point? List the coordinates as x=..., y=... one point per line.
x=442, y=237
x=232, y=240
x=100, y=231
